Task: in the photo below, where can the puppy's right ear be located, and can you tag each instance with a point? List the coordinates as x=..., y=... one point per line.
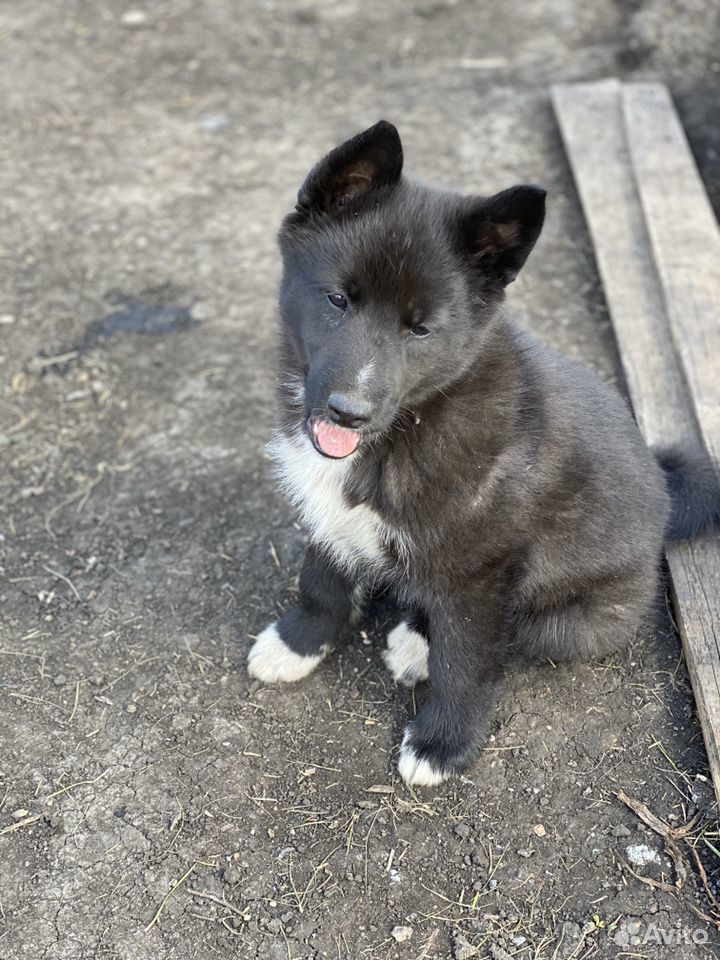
x=352, y=171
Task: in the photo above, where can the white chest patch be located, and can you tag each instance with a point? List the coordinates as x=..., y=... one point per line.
x=354, y=535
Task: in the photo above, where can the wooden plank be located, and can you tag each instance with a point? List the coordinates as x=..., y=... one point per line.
x=592, y=123
x=685, y=239
x=592, y=128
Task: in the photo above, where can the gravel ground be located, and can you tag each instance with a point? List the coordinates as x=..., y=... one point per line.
x=154, y=803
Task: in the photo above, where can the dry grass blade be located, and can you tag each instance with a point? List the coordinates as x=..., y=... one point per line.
x=429, y=945
x=73, y=786
x=75, y=703
x=220, y=901
x=655, y=884
x=703, y=916
x=12, y=827
x=670, y=835
x=703, y=876
x=679, y=833
x=645, y=814
x=173, y=889
x=67, y=580
x=677, y=858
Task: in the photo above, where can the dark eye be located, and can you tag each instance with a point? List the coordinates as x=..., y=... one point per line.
x=420, y=331
x=338, y=300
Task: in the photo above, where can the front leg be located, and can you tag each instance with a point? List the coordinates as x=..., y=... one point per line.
x=291, y=648
x=465, y=665
x=408, y=648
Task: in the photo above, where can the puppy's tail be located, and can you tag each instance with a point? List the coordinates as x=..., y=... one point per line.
x=694, y=494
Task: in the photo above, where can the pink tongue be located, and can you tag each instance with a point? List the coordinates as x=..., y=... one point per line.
x=335, y=441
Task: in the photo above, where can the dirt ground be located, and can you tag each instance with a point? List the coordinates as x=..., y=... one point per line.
x=154, y=803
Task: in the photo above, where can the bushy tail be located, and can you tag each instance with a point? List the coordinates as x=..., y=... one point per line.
x=694, y=493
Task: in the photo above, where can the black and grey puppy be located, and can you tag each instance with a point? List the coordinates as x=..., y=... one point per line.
x=500, y=488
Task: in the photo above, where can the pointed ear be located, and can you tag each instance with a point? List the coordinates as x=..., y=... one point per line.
x=350, y=172
x=499, y=232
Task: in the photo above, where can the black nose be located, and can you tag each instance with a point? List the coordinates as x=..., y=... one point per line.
x=347, y=411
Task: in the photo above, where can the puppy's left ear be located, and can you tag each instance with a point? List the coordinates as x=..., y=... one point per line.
x=499, y=232
x=350, y=172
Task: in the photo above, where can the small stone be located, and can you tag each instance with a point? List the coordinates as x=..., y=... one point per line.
x=401, y=934
x=60, y=680
x=201, y=311
x=539, y=830
x=131, y=708
x=213, y=122
x=620, y=831
x=567, y=946
x=19, y=814
x=134, y=18
x=703, y=796
x=6, y=319
x=462, y=949
x=641, y=854
x=462, y=830
x=525, y=852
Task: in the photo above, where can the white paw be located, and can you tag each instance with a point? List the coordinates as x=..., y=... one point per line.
x=406, y=656
x=272, y=661
x=416, y=771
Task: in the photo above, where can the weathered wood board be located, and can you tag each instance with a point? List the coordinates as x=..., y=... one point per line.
x=658, y=252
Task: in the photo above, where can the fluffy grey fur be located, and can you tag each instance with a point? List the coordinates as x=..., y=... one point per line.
x=499, y=488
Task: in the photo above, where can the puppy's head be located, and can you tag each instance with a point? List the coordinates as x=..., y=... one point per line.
x=388, y=285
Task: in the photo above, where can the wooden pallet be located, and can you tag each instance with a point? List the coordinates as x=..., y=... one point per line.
x=657, y=245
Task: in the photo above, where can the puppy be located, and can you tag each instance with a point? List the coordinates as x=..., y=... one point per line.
x=499, y=488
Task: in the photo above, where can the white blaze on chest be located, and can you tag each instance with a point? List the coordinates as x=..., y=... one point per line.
x=315, y=485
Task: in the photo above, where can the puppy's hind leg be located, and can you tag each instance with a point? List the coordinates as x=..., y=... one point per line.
x=594, y=624
x=291, y=648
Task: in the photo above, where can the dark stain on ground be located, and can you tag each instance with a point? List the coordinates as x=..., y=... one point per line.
x=151, y=317
x=135, y=316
